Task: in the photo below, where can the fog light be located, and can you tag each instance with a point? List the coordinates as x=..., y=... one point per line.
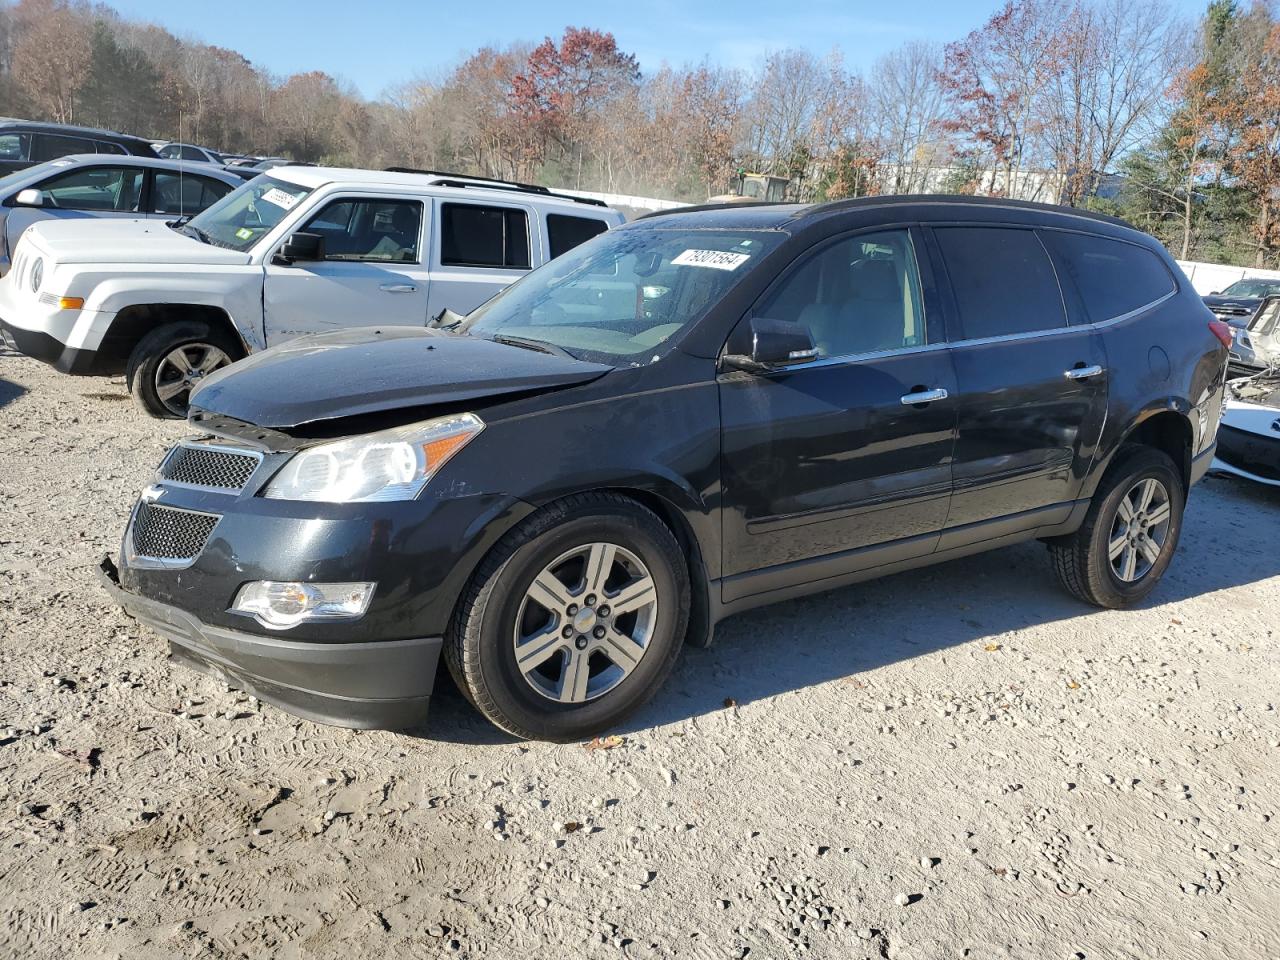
x=283, y=604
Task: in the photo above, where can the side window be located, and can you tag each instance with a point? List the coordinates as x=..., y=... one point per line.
x=476, y=236
x=567, y=232
x=14, y=146
x=1113, y=277
x=1003, y=281
x=48, y=146
x=95, y=188
x=191, y=153
x=858, y=295
x=113, y=148
x=185, y=194
x=378, y=230
x=170, y=151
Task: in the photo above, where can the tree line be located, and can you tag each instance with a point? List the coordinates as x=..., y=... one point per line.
x=1115, y=105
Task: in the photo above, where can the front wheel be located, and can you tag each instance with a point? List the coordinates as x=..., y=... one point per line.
x=573, y=621
x=1129, y=535
x=170, y=361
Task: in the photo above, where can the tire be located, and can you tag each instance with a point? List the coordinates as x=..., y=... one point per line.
x=501, y=605
x=1083, y=559
x=150, y=364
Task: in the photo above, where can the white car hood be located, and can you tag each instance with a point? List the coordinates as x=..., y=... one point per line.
x=125, y=241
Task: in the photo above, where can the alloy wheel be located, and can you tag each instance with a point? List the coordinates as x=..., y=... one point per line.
x=182, y=369
x=1139, y=530
x=585, y=622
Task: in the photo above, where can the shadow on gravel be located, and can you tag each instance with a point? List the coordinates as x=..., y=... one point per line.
x=9, y=392
x=1228, y=540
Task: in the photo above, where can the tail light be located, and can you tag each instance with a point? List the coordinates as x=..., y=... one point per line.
x=1222, y=331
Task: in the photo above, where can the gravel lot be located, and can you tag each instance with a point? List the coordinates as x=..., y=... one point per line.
x=961, y=762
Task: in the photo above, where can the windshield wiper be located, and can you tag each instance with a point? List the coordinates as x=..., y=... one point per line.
x=540, y=345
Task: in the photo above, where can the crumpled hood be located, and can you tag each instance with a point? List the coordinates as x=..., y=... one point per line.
x=138, y=242
x=367, y=370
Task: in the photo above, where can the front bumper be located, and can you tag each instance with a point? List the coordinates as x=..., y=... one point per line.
x=368, y=685
x=49, y=349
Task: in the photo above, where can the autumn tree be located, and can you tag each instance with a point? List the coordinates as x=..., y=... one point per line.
x=708, y=105
x=994, y=79
x=1251, y=106
x=52, y=57
x=563, y=88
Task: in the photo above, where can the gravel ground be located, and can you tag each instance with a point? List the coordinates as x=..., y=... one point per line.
x=960, y=762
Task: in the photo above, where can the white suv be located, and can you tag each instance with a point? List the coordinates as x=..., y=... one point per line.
x=298, y=250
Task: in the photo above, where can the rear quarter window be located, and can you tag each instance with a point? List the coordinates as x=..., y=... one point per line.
x=565, y=232
x=1112, y=277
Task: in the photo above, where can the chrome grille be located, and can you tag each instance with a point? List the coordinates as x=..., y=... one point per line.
x=166, y=533
x=202, y=466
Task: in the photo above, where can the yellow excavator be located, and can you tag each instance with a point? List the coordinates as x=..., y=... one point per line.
x=760, y=187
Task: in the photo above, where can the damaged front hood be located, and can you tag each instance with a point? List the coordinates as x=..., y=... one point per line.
x=361, y=371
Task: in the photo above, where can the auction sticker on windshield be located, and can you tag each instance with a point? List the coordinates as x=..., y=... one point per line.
x=715, y=259
x=279, y=198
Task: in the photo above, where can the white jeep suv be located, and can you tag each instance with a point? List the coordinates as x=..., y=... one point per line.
x=298, y=250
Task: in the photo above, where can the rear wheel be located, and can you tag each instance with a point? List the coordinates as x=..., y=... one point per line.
x=573, y=621
x=170, y=361
x=1129, y=535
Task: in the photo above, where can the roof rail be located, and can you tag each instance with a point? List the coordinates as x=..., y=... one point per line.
x=446, y=179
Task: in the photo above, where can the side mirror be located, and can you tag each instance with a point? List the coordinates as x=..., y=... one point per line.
x=301, y=246
x=30, y=197
x=775, y=343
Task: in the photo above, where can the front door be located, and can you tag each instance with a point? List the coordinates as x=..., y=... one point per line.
x=850, y=450
x=373, y=272
x=1033, y=387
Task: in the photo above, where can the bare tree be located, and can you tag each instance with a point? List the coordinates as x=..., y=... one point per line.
x=909, y=106
x=52, y=56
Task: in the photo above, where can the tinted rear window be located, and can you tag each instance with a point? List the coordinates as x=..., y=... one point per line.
x=1113, y=277
x=48, y=146
x=1003, y=281
x=475, y=236
x=567, y=232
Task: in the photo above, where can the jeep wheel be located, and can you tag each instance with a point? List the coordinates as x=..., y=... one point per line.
x=573, y=621
x=1128, y=536
x=170, y=361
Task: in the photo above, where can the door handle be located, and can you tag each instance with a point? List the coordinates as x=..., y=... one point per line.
x=398, y=287
x=924, y=396
x=1082, y=373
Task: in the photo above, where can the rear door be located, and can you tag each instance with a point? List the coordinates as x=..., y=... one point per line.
x=478, y=248
x=373, y=273
x=825, y=457
x=1032, y=385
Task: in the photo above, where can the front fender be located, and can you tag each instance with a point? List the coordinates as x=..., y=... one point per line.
x=234, y=290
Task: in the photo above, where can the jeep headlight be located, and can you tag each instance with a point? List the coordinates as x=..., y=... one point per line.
x=389, y=465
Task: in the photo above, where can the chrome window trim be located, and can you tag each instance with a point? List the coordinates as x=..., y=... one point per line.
x=977, y=341
x=142, y=561
x=198, y=444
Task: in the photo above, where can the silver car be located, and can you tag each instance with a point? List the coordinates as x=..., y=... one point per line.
x=1257, y=346
x=105, y=185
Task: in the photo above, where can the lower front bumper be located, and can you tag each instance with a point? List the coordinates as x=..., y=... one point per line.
x=48, y=349
x=375, y=685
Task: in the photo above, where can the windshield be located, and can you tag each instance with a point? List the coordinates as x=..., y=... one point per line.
x=619, y=297
x=1253, y=288
x=241, y=218
x=33, y=174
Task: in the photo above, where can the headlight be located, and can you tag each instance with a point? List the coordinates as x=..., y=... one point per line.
x=280, y=605
x=389, y=465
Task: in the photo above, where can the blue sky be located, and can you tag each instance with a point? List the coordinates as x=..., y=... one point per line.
x=377, y=44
